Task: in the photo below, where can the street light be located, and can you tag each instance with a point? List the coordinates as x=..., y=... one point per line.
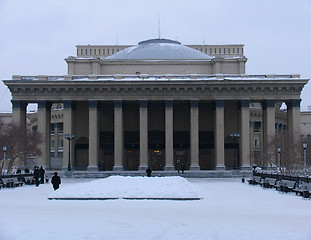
x=69, y=137
x=4, y=151
x=279, y=157
x=305, y=145
x=235, y=137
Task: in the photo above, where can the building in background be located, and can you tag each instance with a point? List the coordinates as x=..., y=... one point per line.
x=157, y=104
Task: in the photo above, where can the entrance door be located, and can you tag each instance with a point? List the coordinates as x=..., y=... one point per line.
x=107, y=160
x=181, y=156
x=132, y=159
x=206, y=162
x=157, y=159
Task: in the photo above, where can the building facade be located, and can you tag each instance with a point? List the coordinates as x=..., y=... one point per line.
x=158, y=104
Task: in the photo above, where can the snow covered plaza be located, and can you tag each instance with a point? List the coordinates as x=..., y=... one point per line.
x=228, y=209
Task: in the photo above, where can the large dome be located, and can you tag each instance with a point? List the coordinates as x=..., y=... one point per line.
x=159, y=49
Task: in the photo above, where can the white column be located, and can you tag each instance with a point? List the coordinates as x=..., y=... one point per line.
x=169, y=142
x=219, y=127
x=143, y=134
x=93, y=135
x=44, y=126
x=19, y=113
x=69, y=108
x=293, y=117
x=268, y=125
x=118, y=135
x=244, y=135
x=194, y=134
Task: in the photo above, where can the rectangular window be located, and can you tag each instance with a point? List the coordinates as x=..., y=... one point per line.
x=108, y=51
x=206, y=50
x=90, y=51
x=224, y=51
x=238, y=50
x=233, y=50
x=210, y=50
x=104, y=51
x=53, y=143
x=98, y=51
x=219, y=50
x=112, y=51
x=61, y=143
x=215, y=50
x=257, y=126
x=81, y=51
x=85, y=51
x=94, y=51
x=228, y=50
x=117, y=49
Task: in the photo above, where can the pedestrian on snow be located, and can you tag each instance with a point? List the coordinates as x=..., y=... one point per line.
x=26, y=170
x=149, y=171
x=182, y=167
x=56, y=181
x=18, y=171
x=42, y=173
x=178, y=165
x=36, y=175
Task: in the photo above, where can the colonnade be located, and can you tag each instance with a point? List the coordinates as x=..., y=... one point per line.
x=44, y=119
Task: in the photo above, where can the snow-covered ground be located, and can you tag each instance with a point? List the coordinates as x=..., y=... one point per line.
x=229, y=210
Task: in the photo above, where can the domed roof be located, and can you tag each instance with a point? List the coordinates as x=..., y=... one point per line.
x=159, y=49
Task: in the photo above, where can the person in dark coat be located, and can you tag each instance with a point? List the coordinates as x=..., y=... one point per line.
x=182, y=167
x=149, y=171
x=42, y=173
x=56, y=181
x=36, y=175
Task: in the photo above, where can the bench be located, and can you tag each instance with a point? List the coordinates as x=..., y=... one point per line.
x=11, y=182
x=255, y=180
x=303, y=190
x=286, y=185
x=269, y=183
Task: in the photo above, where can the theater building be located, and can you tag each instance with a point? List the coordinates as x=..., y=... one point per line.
x=157, y=104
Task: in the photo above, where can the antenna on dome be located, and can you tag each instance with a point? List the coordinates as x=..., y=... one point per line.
x=159, y=32
x=117, y=40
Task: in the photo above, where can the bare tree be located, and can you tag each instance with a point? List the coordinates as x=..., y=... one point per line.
x=20, y=142
x=290, y=160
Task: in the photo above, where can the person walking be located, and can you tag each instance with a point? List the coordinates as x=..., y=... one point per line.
x=36, y=175
x=56, y=181
x=42, y=173
x=149, y=171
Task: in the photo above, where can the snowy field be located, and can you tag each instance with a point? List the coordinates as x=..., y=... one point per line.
x=229, y=210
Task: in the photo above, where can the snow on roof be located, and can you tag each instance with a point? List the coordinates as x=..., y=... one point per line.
x=159, y=49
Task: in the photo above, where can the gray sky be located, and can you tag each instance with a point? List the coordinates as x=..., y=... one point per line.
x=36, y=35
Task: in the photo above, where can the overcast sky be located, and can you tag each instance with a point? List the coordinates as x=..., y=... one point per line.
x=36, y=35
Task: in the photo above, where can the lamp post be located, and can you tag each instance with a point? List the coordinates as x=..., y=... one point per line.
x=279, y=157
x=235, y=137
x=305, y=145
x=4, y=151
x=69, y=137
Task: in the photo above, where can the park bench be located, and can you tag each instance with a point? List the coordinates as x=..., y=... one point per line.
x=1, y=183
x=255, y=180
x=286, y=185
x=11, y=182
x=303, y=190
x=269, y=183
